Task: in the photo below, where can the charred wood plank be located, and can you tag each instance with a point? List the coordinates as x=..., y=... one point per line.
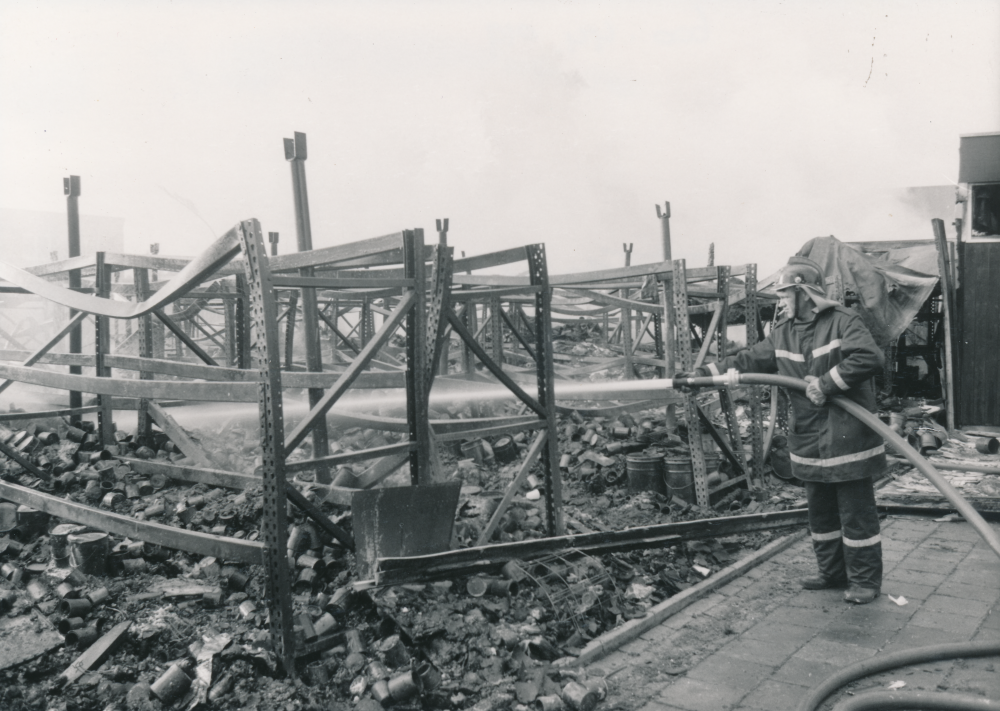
x=393, y=571
x=158, y=533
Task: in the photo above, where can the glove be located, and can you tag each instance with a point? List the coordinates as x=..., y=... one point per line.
x=684, y=388
x=816, y=396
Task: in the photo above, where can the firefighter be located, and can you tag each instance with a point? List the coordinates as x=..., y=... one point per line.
x=834, y=454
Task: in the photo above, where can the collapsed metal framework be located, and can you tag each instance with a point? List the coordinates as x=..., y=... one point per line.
x=232, y=314
x=391, y=269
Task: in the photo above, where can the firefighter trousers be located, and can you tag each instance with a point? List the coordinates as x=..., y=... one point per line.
x=843, y=523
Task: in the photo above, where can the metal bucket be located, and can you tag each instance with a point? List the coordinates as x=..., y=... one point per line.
x=680, y=477
x=645, y=473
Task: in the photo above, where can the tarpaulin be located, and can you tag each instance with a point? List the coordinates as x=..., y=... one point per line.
x=890, y=288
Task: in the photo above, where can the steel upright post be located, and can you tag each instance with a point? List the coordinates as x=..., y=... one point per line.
x=274, y=528
x=669, y=350
x=442, y=230
x=417, y=365
x=539, y=274
x=102, y=346
x=752, y=319
x=626, y=321
x=71, y=189
x=144, y=428
x=296, y=154
x=683, y=325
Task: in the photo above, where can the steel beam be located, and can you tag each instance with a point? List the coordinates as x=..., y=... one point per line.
x=274, y=525
x=539, y=275
x=682, y=325
x=71, y=189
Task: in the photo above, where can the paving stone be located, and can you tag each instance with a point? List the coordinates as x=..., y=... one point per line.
x=956, y=532
x=903, y=576
x=772, y=695
x=848, y=633
x=960, y=625
x=928, y=564
x=732, y=671
x=882, y=614
x=957, y=606
x=636, y=648
x=817, y=599
x=909, y=590
x=837, y=653
x=992, y=620
x=804, y=672
x=656, y=706
x=975, y=676
x=701, y=606
x=777, y=628
x=773, y=652
x=946, y=545
x=974, y=575
x=805, y=617
x=735, y=586
x=921, y=677
x=983, y=593
x=660, y=635
x=698, y=695
x=913, y=636
x=614, y=661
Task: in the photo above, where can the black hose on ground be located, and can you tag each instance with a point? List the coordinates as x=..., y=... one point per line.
x=907, y=657
x=916, y=701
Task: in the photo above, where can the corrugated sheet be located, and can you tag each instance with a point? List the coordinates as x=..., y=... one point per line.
x=979, y=158
x=978, y=366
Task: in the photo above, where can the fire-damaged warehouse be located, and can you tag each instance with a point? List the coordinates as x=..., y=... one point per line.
x=376, y=474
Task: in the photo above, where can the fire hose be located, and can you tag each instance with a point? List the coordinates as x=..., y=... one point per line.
x=734, y=379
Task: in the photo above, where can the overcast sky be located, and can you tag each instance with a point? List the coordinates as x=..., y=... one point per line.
x=763, y=123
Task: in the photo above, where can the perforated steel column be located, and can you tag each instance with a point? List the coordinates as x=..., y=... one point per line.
x=538, y=270
x=274, y=524
x=686, y=362
x=753, y=336
x=102, y=347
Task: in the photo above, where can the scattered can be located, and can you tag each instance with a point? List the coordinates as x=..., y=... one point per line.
x=325, y=624
x=69, y=623
x=236, y=581
x=82, y=637
x=66, y=590
x=403, y=687
x=578, y=697
x=247, y=609
x=428, y=676
x=171, y=685
x=988, y=445
x=381, y=693
x=79, y=607
x=134, y=565
x=549, y=703
x=352, y=639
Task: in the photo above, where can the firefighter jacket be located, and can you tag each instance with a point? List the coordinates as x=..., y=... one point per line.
x=826, y=443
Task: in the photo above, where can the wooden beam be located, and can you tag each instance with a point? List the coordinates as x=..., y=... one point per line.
x=178, y=436
x=948, y=301
x=157, y=533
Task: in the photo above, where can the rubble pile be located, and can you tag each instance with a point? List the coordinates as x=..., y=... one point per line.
x=192, y=630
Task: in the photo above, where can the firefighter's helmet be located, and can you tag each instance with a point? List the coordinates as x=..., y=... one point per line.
x=802, y=272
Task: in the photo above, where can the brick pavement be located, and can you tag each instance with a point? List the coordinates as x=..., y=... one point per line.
x=760, y=642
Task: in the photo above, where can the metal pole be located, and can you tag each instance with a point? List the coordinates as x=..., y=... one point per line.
x=71, y=189
x=296, y=154
x=668, y=308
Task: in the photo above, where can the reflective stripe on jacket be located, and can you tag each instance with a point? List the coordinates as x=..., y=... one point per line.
x=827, y=443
